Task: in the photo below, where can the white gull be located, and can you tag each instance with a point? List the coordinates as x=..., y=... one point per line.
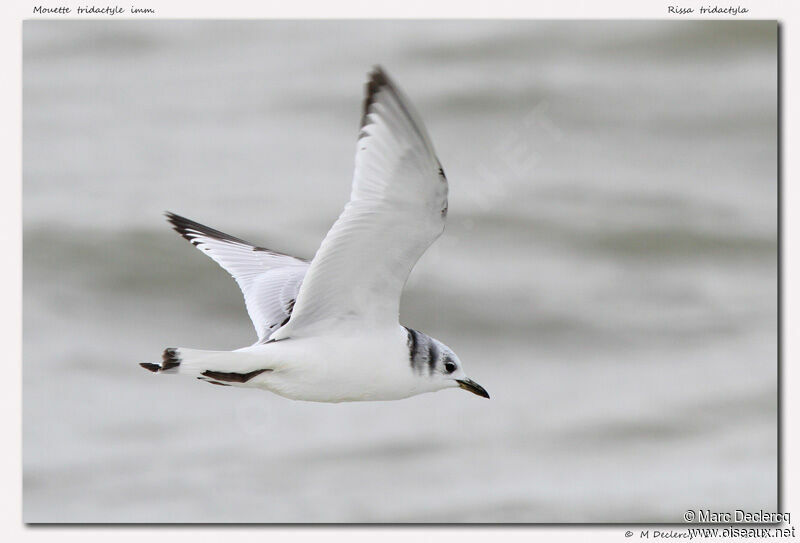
x=328, y=330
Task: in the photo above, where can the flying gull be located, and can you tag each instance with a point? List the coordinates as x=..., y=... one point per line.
x=328, y=330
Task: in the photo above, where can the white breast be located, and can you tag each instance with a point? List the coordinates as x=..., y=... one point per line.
x=341, y=367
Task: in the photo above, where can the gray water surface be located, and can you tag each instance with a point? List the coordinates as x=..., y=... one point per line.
x=608, y=271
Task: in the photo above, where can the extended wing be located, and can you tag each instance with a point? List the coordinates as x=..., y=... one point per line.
x=397, y=208
x=269, y=281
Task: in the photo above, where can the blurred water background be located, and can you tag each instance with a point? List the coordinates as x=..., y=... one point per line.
x=608, y=271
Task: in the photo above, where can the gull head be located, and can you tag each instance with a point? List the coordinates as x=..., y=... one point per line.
x=437, y=366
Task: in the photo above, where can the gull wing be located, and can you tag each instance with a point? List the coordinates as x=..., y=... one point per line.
x=269, y=280
x=397, y=208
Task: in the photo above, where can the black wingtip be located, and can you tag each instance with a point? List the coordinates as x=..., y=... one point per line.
x=194, y=232
x=174, y=218
x=377, y=79
x=379, y=75
x=190, y=229
x=181, y=225
x=150, y=367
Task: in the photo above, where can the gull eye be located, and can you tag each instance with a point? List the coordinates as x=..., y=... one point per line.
x=449, y=367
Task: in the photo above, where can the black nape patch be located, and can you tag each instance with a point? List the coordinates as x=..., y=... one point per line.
x=170, y=359
x=233, y=377
x=412, y=343
x=149, y=366
x=433, y=355
x=422, y=351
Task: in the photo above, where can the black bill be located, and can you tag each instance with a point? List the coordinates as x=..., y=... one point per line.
x=472, y=386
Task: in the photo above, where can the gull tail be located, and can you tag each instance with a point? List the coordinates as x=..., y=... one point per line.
x=216, y=367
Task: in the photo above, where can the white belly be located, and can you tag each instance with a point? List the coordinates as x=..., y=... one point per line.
x=339, y=368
